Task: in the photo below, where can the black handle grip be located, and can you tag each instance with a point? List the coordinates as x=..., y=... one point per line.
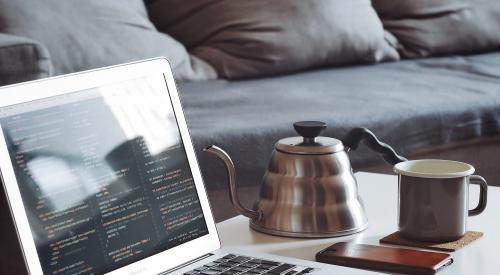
x=356, y=135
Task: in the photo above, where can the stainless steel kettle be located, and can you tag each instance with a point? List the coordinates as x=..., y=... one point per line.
x=309, y=189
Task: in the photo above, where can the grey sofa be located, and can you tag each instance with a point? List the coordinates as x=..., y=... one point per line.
x=445, y=107
x=442, y=107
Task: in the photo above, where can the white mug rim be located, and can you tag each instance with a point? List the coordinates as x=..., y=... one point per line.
x=405, y=168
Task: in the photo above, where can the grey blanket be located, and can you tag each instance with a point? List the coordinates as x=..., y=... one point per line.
x=408, y=104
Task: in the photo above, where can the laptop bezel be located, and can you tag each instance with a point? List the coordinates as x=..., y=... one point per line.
x=40, y=89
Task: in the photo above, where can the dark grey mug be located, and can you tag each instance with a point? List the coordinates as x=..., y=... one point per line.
x=434, y=199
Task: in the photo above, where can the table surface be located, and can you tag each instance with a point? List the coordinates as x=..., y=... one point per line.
x=379, y=193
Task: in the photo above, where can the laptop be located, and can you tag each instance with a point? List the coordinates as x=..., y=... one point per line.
x=101, y=177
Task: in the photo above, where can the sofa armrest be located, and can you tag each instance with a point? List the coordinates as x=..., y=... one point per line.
x=22, y=59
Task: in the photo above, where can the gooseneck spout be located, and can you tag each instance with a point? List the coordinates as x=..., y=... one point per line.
x=233, y=194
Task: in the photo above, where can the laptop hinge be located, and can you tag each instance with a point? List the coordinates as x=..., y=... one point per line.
x=186, y=263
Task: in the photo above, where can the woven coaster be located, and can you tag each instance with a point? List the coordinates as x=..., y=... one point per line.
x=468, y=238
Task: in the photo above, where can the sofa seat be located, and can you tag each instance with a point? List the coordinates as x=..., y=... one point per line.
x=410, y=105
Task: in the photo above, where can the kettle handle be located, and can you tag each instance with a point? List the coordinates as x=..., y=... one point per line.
x=354, y=137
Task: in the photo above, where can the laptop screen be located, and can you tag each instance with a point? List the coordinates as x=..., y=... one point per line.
x=103, y=175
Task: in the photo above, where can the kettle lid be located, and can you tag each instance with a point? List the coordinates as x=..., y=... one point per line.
x=309, y=142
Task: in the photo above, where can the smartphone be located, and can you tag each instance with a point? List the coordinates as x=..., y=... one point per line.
x=384, y=259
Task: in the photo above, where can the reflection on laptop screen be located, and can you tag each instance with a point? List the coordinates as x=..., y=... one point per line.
x=104, y=176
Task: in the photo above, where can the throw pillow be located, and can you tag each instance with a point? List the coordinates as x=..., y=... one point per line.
x=243, y=39
x=83, y=35
x=437, y=27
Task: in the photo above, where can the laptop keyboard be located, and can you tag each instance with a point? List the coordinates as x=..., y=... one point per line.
x=232, y=264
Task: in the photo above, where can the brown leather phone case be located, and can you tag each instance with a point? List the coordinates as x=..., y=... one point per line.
x=385, y=259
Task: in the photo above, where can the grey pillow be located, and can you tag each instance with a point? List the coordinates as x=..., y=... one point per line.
x=243, y=38
x=437, y=27
x=82, y=35
x=22, y=59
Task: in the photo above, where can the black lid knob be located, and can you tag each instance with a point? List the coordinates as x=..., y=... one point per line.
x=309, y=129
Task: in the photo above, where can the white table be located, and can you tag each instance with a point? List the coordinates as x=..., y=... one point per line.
x=379, y=193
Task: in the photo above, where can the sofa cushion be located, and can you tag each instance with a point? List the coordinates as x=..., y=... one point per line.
x=22, y=59
x=242, y=38
x=438, y=27
x=410, y=105
x=82, y=35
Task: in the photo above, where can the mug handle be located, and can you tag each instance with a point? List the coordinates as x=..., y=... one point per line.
x=483, y=194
